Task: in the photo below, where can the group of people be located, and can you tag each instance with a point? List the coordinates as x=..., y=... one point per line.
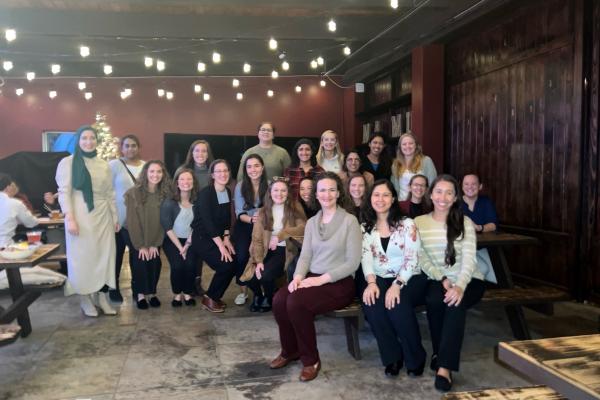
x=389, y=231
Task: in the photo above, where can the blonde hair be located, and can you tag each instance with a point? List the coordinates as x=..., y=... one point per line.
x=336, y=151
x=400, y=164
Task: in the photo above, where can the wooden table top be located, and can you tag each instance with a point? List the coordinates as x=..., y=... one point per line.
x=490, y=239
x=43, y=252
x=569, y=365
x=45, y=221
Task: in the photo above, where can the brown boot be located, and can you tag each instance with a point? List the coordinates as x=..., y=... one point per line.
x=211, y=305
x=309, y=373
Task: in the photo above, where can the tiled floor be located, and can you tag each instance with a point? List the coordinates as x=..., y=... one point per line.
x=187, y=353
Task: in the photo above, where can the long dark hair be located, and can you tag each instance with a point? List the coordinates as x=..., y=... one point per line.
x=248, y=189
x=189, y=158
x=385, y=160
x=313, y=156
x=175, y=186
x=213, y=165
x=341, y=200
x=345, y=167
x=164, y=187
x=292, y=210
x=455, y=221
x=368, y=216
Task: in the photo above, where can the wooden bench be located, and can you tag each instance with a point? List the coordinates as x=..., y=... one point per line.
x=518, y=393
x=352, y=314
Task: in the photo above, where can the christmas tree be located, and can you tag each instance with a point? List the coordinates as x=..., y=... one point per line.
x=108, y=146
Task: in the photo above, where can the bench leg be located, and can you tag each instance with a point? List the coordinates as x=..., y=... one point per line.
x=351, y=325
x=517, y=322
x=15, y=284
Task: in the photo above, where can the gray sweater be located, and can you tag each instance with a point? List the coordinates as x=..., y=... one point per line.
x=333, y=248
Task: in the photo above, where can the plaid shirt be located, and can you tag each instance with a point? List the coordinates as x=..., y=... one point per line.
x=295, y=175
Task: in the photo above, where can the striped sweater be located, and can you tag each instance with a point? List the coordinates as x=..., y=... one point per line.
x=433, y=250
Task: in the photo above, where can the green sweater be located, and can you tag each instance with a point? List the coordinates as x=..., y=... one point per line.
x=143, y=219
x=276, y=160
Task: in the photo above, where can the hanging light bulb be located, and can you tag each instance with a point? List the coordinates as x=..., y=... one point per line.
x=88, y=95
x=239, y=96
x=30, y=76
x=235, y=83
x=52, y=94
x=314, y=64
x=216, y=57
x=394, y=4
x=197, y=88
x=320, y=60
x=272, y=44
x=10, y=34
x=148, y=62
x=7, y=65
x=160, y=92
x=331, y=25
x=170, y=95
x=81, y=85
x=128, y=91
x=298, y=88
x=84, y=51
x=347, y=51
x=108, y=69
x=270, y=93
x=285, y=65
x=201, y=67
x=322, y=83
x=55, y=68
x=160, y=65
x=19, y=91
x=247, y=68
x=274, y=74
x=206, y=97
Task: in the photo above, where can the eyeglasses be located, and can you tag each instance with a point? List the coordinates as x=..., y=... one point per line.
x=220, y=171
x=265, y=130
x=280, y=179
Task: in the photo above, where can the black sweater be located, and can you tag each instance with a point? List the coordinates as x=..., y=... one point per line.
x=211, y=219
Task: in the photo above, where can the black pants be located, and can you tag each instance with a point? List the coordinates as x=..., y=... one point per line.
x=183, y=272
x=397, y=330
x=145, y=274
x=122, y=241
x=274, y=264
x=447, y=323
x=207, y=250
x=242, y=237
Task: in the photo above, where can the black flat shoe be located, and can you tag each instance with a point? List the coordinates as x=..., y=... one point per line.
x=176, y=303
x=433, y=365
x=115, y=296
x=154, y=302
x=265, y=306
x=413, y=373
x=394, y=368
x=142, y=304
x=442, y=383
x=190, y=302
x=256, y=303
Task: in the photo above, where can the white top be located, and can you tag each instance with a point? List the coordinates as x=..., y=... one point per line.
x=122, y=182
x=331, y=164
x=278, y=222
x=181, y=226
x=12, y=213
x=401, y=182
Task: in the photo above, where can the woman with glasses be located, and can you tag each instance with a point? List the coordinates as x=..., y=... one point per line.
x=417, y=203
x=276, y=158
x=353, y=166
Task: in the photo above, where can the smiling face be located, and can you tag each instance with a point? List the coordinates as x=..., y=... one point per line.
x=130, y=149
x=356, y=187
x=88, y=141
x=352, y=162
x=376, y=145
x=185, y=182
x=408, y=146
x=279, y=192
x=200, y=154
x=155, y=174
x=327, y=193
x=254, y=168
x=265, y=133
x=418, y=188
x=328, y=141
x=304, y=153
x=381, y=199
x=305, y=190
x=220, y=174
x=471, y=186
x=443, y=196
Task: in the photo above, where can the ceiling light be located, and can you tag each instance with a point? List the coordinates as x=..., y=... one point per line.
x=320, y=60
x=52, y=94
x=108, y=69
x=160, y=65
x=322, y=83
x=274, y=74
x=206, y=96
x=160, y=92
x=170, y=95
x=270, y=93
x=55, y=68
x=216, y=57
x=394, y=4
x=314, y=64
x=10, y=35
x=148, y=62
x=197, y=88
x=81, y=85
x=30, y=76
x=128, y=91
x=239, y=96
x=331, y=25
x=347, y=51
x=201, y=67
x=7, y=65
x=247, y=68
x=19, y=91
x=298, y=89
x=123, y=95
x=88, y=95
x=235, y=83
x=84, y=51
x=272, y=44
x=285, y=65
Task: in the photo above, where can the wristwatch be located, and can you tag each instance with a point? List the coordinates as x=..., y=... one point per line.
x=399, y=283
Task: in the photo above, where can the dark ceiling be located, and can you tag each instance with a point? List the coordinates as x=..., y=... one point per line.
x=184, y=32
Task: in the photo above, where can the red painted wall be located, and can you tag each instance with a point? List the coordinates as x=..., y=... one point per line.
x=22, y=119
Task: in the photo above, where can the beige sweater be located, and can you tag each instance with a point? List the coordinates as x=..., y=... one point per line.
x=143, y=219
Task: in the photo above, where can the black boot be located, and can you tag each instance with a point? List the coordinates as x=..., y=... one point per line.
x=256, y=303
x=266, y=304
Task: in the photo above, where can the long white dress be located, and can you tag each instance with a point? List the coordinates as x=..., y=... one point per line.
x=91, y=254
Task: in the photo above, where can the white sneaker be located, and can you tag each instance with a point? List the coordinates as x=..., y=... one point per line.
x=105, y=305
x=87, y=306
x=241, y=298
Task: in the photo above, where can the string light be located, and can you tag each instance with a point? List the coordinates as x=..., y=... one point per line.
x=239, y=96
x=320, y=60
x=160, y=92
x=10, y=34
x=331, y=25
x=298, y=88
x=201, y=67
x=197, y=88
x=247, y=68
x=81, y=85
x=52, y=94
x=55, y=68
x=323, y=83
x=84, y=51
x=206, y=97
x=148, y=61
x=270, y=93
x=272, y=44
x=160, y=65
x=274, y=74
x=314, y=64
x=30, y=76
x=347, y=51
x=88, y=95
x=285, y=65
x=235, y=83
x=19, y=91
x=216, y=57
x=170, y=95
x=108, y=69
x=7, y=65
x=128, y=91
x=394, y=4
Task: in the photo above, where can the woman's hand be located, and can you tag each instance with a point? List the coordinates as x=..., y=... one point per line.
x=447, y=284
x=49, y=197
x=294, y=284
x=392, y=296
x=228, y=245
x=144, y=254
x=254, y=218
x=153, y=252
x=225, y=254
x=453, y=296
x=72, y=226
x=273, y=243
x=312, y=281
x=260, y=267
x=184, y=249
x=117, y=227
x=370, y=294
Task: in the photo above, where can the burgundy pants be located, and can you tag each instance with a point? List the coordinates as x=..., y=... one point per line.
x=295, y=314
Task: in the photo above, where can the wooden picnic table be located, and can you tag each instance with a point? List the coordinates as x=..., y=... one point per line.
x=570, y=365
x=22, y=298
